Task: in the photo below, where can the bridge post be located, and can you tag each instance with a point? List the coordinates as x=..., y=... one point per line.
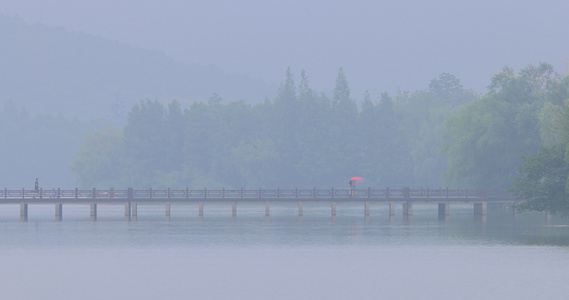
x=515, y=210
x=127, y=209
x=480, y=209
x=58, y=211
x=407, y=205
x=443, y=211
x=134, y=209
x=391, y=209
x=267, y=209
x=300, y=208
x=333, y=208
x=167, y=204
x=93, y=211
x=407, y=208
x=23, y=212
x=200, y=209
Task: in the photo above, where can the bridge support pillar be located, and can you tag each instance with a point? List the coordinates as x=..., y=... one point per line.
x=200, y=209
x=127, y=209
x=391, y=208
x=58, y=211
x=333, y=209
x=23, y=212
x=167, y=209
x=407, y=208
x=366, y=209
x=267, y=209
x=515, y=210
x=300, y=209
x=234, y=209
x=480, y=209
x=93, y=211
x=443, y=211
x=134, y=212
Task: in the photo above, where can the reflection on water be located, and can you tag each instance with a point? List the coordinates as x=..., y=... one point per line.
x=282, y=256
x=282, y=228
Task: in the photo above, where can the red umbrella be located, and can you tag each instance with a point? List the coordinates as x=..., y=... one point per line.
x=356, y=178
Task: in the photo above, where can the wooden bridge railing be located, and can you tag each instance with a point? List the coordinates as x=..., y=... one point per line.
x=260, y=193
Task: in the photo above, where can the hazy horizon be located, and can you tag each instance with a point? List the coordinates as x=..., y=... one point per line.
x=381, y=46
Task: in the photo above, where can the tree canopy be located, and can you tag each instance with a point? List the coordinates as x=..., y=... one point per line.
x=543, y=183
x=300, y=138
x=486, y=138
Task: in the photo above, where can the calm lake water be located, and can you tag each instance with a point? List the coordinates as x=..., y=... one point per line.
x=283, y=256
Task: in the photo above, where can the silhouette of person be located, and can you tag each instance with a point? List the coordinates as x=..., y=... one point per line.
x=36, y=188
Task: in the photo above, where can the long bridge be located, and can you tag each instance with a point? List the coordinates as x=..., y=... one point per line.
x=132, y=198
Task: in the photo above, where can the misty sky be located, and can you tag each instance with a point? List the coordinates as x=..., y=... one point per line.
x=382, y=45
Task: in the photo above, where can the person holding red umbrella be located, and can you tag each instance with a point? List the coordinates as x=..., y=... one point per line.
x=352, y=184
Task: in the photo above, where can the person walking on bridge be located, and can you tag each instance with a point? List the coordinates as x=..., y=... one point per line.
x=36, y=188
x=352, y=183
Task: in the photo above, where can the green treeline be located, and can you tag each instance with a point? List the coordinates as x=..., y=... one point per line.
x=301, y=138
x=544, y=175
x=486, y=139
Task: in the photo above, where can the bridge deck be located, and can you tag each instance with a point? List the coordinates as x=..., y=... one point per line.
x=260, y=195
x=132, y=198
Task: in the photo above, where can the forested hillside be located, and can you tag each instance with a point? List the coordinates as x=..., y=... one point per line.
x=47, y=69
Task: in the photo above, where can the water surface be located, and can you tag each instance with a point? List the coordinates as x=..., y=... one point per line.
x=282, y=256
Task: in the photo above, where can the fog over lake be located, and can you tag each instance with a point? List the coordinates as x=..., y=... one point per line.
x=174, y=96
x=281, y=257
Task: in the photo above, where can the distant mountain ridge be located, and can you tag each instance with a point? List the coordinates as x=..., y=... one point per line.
x=52, y=70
